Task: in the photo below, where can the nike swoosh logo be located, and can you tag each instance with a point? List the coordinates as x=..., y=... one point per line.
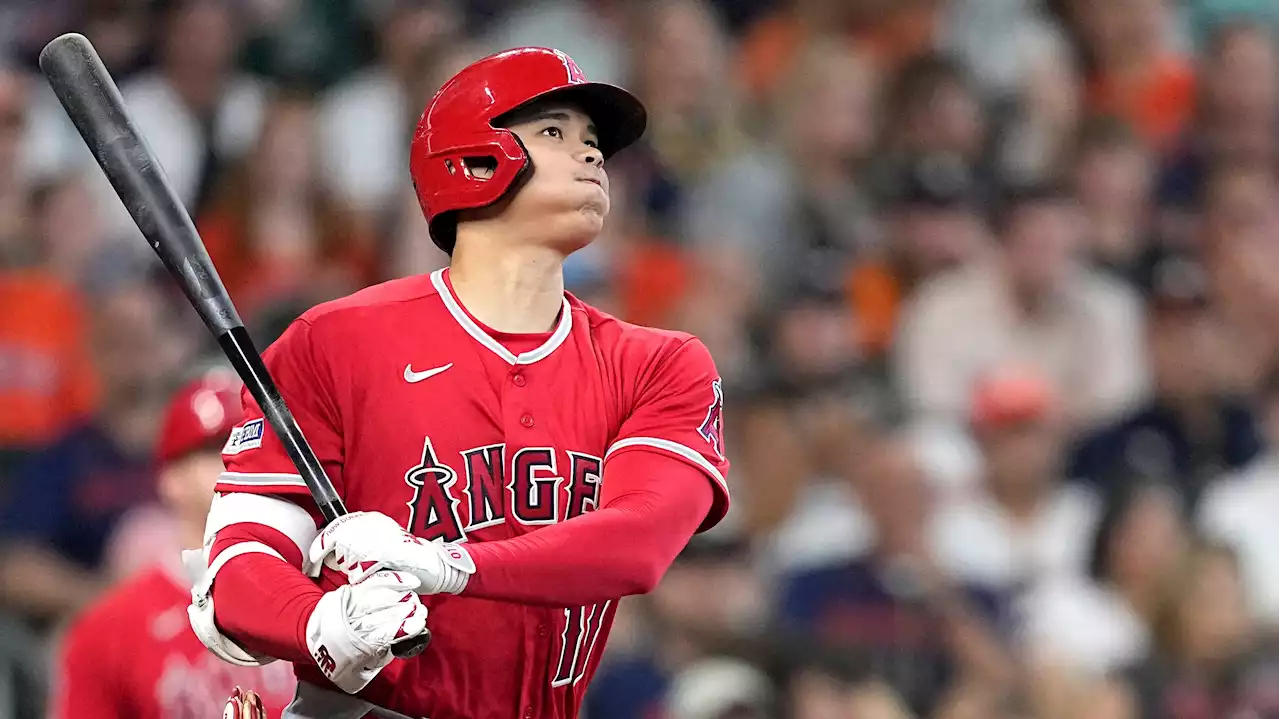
x=411, y=377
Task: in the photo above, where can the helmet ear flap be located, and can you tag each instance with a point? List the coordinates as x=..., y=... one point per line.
x=451, y=182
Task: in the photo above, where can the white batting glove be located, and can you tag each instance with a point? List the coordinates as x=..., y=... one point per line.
x=361, y=543
x=351, y=630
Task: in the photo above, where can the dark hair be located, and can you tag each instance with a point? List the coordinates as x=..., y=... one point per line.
x=922, y=77
x=1117, y=506
x=1105, y=132
x=1018, y=197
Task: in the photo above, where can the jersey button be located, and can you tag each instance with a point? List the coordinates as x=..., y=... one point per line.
x=542, y=630
x=528, y=712
x=517, y=380
x=527, y=420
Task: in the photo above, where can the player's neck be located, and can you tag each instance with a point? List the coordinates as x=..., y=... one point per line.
x=517, y=289
x=190, y=532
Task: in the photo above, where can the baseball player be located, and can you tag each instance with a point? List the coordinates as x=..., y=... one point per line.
x=515, y=460
x=132, y=654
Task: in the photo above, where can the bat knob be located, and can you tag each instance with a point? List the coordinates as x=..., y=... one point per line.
x=409, y=648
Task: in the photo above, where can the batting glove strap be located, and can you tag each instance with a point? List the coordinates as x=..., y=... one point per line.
x=458, y=566
x=352, y=628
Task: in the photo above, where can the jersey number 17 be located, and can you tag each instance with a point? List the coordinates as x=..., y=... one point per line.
x=577, y=640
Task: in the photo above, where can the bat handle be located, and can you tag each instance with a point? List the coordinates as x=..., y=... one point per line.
x=409, y=648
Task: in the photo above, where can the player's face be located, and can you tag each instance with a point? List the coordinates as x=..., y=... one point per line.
x=568, y=188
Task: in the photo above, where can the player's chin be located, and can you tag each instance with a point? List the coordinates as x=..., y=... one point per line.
x=578, y=229
x=591, y=213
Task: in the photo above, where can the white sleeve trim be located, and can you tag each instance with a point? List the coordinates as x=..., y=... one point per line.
x=261, y=479
x=236, y=507
x=675, y=448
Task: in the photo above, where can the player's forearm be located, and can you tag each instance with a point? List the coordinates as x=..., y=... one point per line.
x=38, y=582
x=623, y=548
x=263, y=603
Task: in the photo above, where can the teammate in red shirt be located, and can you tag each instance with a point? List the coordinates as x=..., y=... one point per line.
x=132, y=654
x=514, y=459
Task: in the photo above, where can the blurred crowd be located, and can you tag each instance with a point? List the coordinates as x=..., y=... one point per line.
x=992, y=285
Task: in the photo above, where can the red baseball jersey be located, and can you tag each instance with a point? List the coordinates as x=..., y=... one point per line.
x=132, y=655
x=461, y=433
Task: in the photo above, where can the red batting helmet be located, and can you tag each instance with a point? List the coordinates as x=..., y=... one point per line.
x=459, y=123
x=200, y=416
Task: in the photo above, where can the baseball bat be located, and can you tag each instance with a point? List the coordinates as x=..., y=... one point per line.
x=93, y=102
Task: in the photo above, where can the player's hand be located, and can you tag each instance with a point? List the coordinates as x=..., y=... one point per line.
x=361, y=543
x=244, y=704
x=351, y=630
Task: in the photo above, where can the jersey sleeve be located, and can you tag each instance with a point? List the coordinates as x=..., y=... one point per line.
x=678, y=411
x=255, y=458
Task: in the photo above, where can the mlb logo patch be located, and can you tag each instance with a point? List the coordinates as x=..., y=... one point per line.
x=246, y=436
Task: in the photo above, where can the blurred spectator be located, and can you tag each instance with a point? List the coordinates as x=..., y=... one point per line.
x=1241, y=508
x=933, y=224
x=1002, y=42
x=720, y=688
x=1112, y=178
x=307, y=43
x=1023, y=525
x=69, y=233
x=365, y=121
x=1033, y=301
x=679, y=60
x=1235, y=111
x=67, y=499
x=892, y=604
x=832, y=685
x=14, y=130
x=800, y=441
x=1035, y=140
x=680, y=627
x=933, y=109
x=592, y=32
x=1135, y=69
x=1205, y=664
x=1241, y=256
x=273, y=230
x=796, y=212
x=195, y=110
x=889, y=31
x=812, y=347
x=45, y=380
x=1194, y=428
x=1090, y=626
x=120, y=32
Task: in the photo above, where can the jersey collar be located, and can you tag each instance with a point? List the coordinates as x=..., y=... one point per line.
x=462, y=318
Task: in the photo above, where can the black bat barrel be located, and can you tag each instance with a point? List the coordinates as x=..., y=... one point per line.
x=92, y=101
